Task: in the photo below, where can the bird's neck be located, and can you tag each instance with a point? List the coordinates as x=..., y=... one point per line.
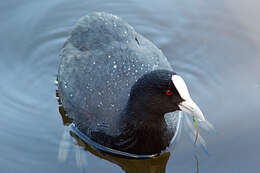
x=141, y=117
x=143, y=131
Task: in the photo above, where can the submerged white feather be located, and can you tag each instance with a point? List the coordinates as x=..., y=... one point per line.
x=64, y=146
x=191, y=132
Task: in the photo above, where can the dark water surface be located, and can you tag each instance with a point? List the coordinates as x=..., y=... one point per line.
x=214, y=45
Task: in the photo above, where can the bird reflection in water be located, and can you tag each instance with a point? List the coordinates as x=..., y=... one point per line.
x=152, y=165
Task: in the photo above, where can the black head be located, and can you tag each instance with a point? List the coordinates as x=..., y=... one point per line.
x=155, y=92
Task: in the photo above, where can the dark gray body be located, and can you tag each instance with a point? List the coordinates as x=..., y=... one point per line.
x=100, y=62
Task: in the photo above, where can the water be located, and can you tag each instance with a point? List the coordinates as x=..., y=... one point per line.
x=215, y=46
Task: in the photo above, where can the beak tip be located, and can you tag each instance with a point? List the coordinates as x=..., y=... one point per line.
x=202, y=119
x=200, y=115
x=191, y=108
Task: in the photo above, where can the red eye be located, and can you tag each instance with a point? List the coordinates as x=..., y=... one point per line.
x=168, y=92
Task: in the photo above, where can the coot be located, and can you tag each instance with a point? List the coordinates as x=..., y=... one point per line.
x=117, y=87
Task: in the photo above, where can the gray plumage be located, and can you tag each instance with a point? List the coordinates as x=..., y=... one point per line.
x=100, y=62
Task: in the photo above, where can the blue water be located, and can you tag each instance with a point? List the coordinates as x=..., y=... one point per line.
x=214, y=45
